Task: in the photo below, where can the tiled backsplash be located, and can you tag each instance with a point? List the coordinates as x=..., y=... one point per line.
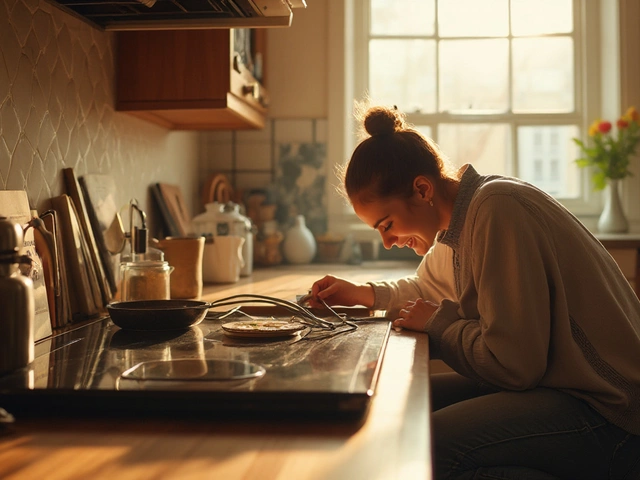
x=287, y=156
x=57, y=111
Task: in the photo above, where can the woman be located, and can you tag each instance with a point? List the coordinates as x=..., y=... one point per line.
x=535, y=317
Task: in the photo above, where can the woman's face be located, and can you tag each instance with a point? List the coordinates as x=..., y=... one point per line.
x=410, y=222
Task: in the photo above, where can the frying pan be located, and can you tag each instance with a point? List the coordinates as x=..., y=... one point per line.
x=157, y=314
x=182, y=314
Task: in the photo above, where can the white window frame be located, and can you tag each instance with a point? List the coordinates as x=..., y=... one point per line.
x=597, y=60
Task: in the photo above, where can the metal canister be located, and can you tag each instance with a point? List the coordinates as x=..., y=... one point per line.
x=17, y=304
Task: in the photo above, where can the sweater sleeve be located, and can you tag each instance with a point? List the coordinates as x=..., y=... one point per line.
x=433, y=281
x=499, y=331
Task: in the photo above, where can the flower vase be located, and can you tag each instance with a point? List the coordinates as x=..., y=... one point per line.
x=612, y=219
x=299, y=243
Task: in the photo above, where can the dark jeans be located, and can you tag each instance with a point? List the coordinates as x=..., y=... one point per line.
x=542, y=433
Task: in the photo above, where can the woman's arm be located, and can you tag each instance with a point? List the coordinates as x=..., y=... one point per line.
x=433, y=281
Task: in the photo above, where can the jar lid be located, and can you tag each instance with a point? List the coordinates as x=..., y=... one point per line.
x=146, y=264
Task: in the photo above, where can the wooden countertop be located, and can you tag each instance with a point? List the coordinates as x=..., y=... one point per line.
x=393, y=441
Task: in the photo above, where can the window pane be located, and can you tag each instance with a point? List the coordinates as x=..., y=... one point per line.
x=425, y=130
x=407, y=17
x=547, y=159
x=543, y=75
x=486, y=146
x=472, y=18
x=402, y=73
x=541, y=17
x=474, y=76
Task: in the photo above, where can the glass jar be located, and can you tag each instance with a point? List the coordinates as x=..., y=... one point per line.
x=145, y=280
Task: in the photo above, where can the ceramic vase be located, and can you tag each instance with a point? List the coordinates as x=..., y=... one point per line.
x=612, y=219
x=299, y=243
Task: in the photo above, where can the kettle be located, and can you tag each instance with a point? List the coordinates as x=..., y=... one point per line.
x=16, y=301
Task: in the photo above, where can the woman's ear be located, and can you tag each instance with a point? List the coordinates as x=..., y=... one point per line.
x=423, y=188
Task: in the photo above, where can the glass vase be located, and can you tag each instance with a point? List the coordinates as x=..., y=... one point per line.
x=612, y=219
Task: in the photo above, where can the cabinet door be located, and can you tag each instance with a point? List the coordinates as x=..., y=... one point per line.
x=173, y=69
x=184, y=79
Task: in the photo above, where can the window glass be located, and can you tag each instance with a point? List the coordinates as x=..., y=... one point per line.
x=389, y=17
x=547, y=158
x=425, y=130
x=403, y=73
x=485, y=145
x=543, y=75
x=541, y=17
x=474, y=76
x=473, y=18
x=494, y=81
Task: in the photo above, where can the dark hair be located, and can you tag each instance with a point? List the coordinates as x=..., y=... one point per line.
x=385, y=164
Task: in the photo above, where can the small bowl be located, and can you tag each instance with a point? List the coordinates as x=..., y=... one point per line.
x=329, y=249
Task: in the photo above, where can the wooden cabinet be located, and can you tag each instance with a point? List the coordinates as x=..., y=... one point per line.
x=189, y=79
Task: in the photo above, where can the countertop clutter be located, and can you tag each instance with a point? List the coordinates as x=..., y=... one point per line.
x=390, y=441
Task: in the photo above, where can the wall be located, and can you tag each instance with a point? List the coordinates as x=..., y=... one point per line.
x=297, y=64
x=297, y=80
x=57, y=111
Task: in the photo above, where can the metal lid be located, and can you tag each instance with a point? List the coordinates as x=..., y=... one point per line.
x=11, y=236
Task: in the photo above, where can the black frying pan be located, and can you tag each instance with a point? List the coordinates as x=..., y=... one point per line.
x=157, y=314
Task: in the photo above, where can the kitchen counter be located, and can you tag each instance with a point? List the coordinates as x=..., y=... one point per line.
x=391, y=442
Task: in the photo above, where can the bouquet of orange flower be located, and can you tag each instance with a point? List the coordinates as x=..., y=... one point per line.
x=609, y=153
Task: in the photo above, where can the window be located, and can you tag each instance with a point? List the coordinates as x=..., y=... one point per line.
x=496, y=83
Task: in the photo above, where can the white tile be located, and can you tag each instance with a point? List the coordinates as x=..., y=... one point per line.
x=216, y=157
x=321, y=131
x=253, y=156
x=224, y=136
x=255, y=136
x=247, y=181
x=293, y=131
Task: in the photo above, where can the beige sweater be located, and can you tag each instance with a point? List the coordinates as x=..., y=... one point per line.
x=433, y=281
x=538, y=301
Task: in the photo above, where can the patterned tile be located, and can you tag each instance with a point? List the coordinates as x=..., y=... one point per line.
x=300, y=185
x=57, y=111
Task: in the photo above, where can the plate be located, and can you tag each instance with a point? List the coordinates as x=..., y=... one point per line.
x=262, y=328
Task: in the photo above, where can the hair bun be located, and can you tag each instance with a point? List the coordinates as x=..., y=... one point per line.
x=383, y=121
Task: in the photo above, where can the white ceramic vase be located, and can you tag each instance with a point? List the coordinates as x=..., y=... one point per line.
x=299, y=243
x=612, y=219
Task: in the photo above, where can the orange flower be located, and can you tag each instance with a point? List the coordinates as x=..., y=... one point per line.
x=608, y=153
x=593, y=128
x=604, y=127
x=632, y=115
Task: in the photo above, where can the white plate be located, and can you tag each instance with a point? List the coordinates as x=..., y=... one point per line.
x=262, y=328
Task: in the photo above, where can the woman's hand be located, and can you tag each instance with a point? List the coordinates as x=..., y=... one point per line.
x=338, y=291
x=415, y=314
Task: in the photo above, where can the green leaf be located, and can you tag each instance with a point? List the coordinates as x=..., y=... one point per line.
x=599, y=180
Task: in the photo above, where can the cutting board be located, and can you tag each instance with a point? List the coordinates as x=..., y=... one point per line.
x=177, y=207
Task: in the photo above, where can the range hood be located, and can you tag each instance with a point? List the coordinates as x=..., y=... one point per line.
x=182, y=14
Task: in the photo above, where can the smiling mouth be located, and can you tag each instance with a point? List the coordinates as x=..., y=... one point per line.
x=409, y=243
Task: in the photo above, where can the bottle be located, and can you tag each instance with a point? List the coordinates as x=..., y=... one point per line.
x=16, y=301
x=299, y=243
